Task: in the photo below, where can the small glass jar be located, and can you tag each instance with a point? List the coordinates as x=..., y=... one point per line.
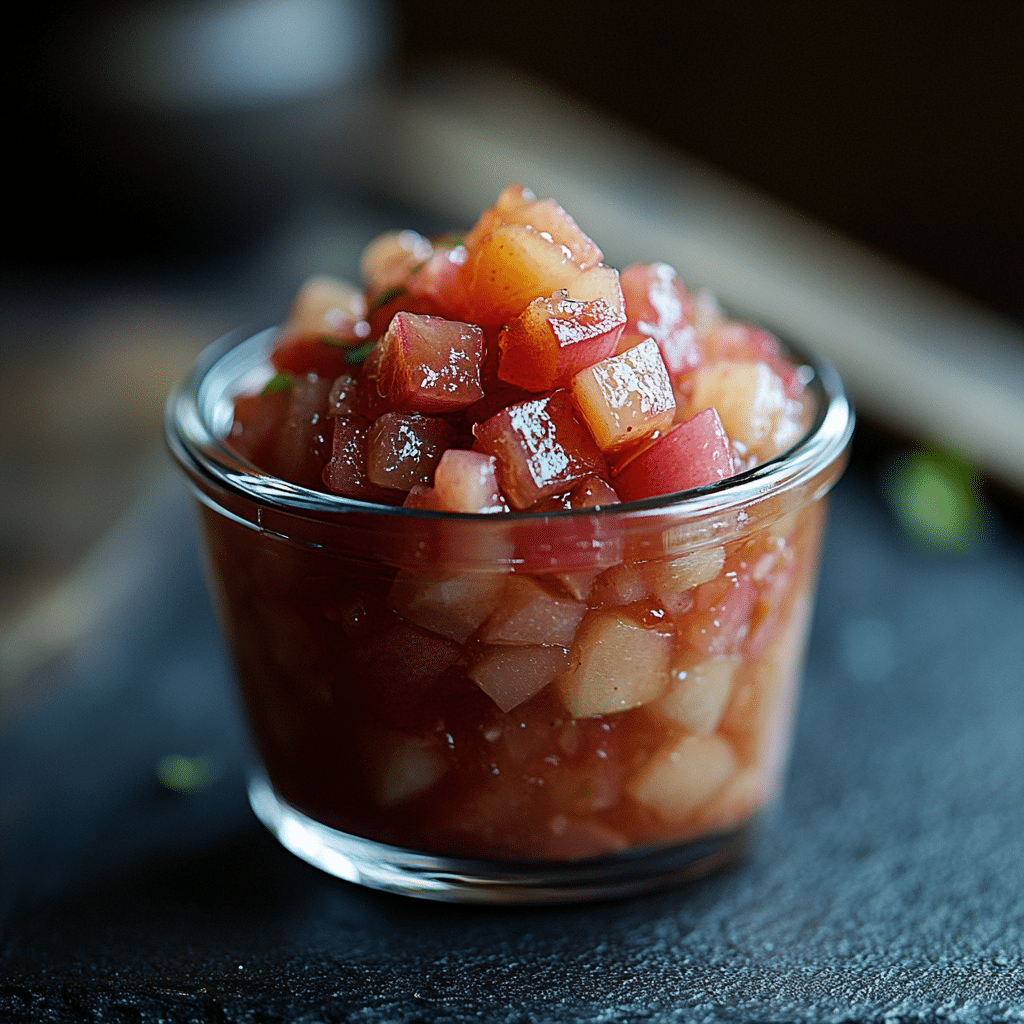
x=533, y=707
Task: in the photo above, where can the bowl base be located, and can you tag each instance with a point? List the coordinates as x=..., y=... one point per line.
x=455, y=880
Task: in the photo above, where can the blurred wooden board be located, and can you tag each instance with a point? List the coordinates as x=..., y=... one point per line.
x=915, y=356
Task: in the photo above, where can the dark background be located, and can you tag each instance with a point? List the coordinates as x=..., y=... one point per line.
x=901, y=124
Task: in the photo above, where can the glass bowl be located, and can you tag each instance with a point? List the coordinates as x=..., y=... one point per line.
x=538, y=707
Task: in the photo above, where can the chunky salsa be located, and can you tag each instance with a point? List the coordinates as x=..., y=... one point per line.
x=573, y=709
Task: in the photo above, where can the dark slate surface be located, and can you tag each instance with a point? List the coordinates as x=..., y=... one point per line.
x=888, y=887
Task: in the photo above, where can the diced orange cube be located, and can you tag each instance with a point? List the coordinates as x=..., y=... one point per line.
x=554, y=338
x=518, y=205
x=511, y=267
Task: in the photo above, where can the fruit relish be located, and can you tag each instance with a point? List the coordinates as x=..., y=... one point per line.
x=472, y=613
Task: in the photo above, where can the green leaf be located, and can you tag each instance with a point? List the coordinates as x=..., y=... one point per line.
x=936, y=498
x=186, y=774
x=386, y=296
x=277, y=384
x=448, y=241
x=355, y=356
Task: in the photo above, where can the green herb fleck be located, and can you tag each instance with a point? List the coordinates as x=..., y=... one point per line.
x=277, y=384
x=386, y=296
x=355, y=356
x=185, y=774
x=936, y=498
x=449, y=241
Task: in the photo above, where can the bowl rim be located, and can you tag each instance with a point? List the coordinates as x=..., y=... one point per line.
x=198, y=414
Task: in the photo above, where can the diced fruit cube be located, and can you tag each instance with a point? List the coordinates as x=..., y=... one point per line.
x=510, y=200
x=327, y=307
x=255, y=426
x=658, y=307
x=540, y=447
x=691, y=454
x=412, y=767
x=582, y=547
x=623, y=584
x=303, y=438
x=453, y=605
x=699, y=691
x=512, y=675
x=368, y=399
x=720, y=619
x=518, y=205
x=664, y=580
x=739, y=342
x=309, y=355
x=617, y=665
x=388, y=260
x=466, y=481
x=677, y=780
x=438, y=282
x=422, y=496
x=341, y=400
x=403, y=448
x=674, y=575
x=554, y=338
x=530, y=614
x=626, y=398
x=751, y=401
x=346, y=472
x=593, y=543
x=512, y=266
x=599, y=282
x=430, y=365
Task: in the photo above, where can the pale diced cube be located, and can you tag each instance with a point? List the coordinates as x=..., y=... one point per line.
x=326, y=307
x=699, y=691
x=512, y=675
x=453, y=605
x=680, y=778
x=617, y=664
x=686, y=571
x=625, y=398
x=751, y=402
x=412, y=767
x=529, y=614
x=465, y=481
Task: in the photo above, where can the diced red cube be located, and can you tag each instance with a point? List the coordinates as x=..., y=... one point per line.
x=541, y=449
x=431, y=365
x=691, y=454
x=658, y=307
x=346, y=472
x=404, y=448
x=554, y=338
